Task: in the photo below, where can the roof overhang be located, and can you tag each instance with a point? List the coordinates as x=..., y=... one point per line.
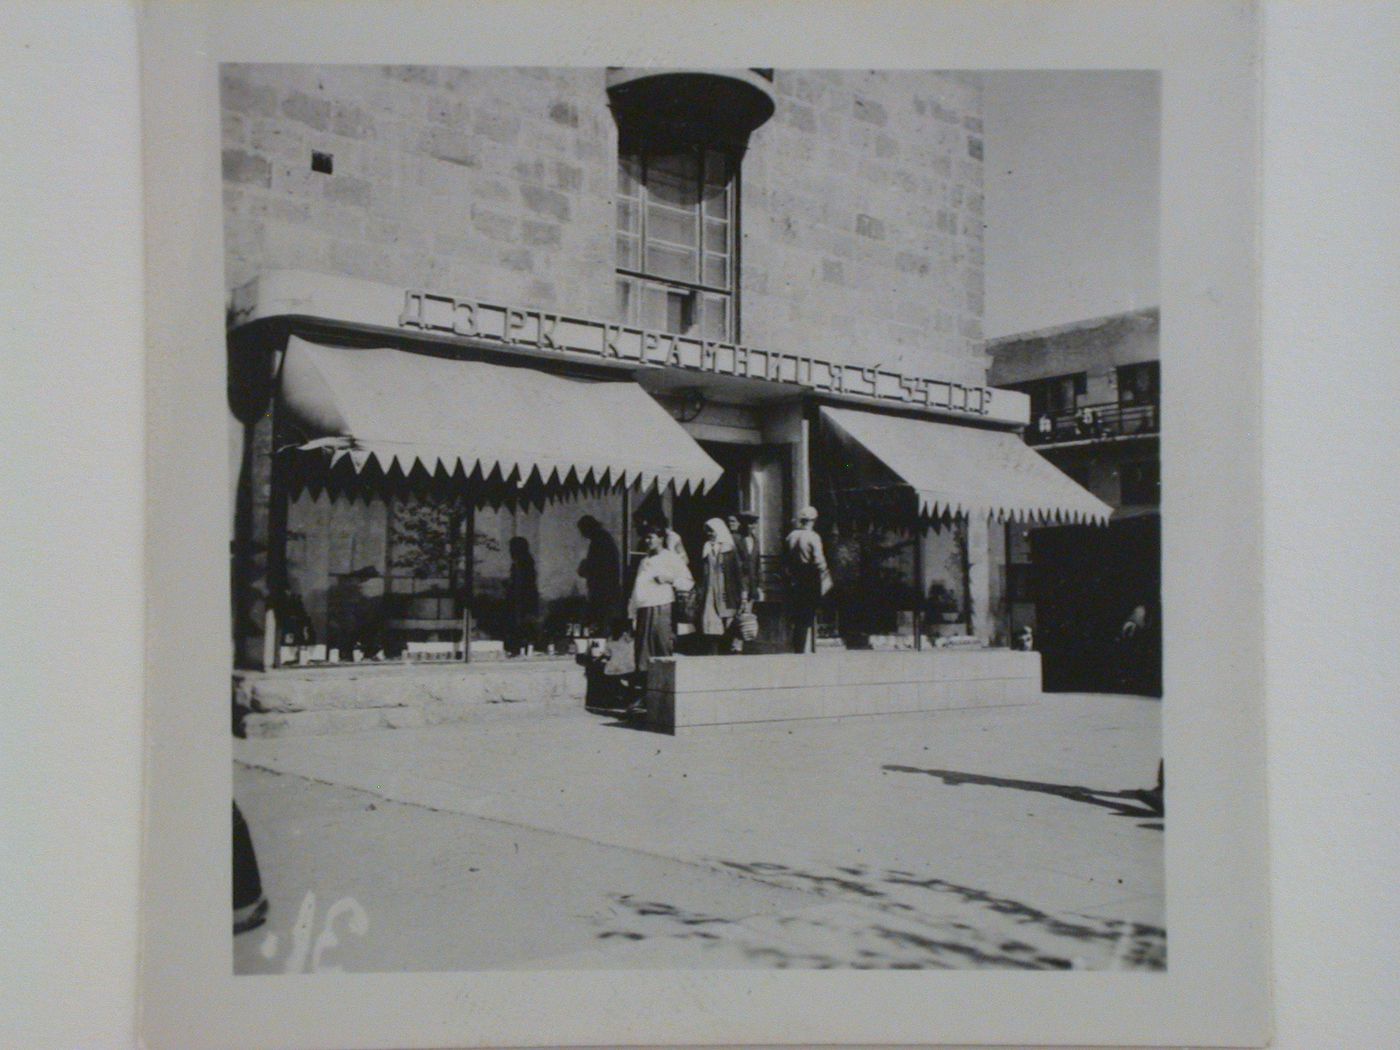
x=394, y=315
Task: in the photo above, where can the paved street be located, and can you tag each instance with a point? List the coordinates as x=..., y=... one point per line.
x=539, y=836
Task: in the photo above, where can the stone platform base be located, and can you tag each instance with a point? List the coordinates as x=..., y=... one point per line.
x=693, y=693
x=290, y=702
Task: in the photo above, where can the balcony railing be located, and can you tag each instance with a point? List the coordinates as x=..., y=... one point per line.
x=1094, y=423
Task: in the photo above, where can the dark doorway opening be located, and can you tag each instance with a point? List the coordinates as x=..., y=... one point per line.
x=1087, y=581
x=727, y=496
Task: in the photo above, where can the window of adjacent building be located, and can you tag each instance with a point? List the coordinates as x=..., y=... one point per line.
x=1080, y=474
x=1139, y=384
x=675, y=240
x=1057, y=395
x=1140, y=483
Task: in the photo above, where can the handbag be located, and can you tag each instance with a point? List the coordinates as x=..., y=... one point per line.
x=685, y=608
x=683, y=613
x=746, y=626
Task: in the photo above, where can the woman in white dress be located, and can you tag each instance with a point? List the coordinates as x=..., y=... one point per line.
x=660, y=575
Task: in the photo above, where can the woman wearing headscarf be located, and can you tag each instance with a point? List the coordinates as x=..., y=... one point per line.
x=723, y=587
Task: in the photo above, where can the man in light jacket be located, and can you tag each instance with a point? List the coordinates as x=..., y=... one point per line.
x=808, y=578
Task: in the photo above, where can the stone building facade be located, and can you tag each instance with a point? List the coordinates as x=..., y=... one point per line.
x=751, y=250
x=860, y=199
x=1095, y=402
x=1096, y=414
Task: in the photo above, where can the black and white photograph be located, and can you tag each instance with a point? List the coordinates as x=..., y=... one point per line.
x=640, y=523
x=694, y=518
x=700, y=542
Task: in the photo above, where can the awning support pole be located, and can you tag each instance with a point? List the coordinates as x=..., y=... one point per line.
x=624, y=562
x=277, y=512
x=918, y=578
x=469, y=577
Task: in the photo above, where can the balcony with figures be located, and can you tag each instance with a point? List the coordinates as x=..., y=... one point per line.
x=1089, y=424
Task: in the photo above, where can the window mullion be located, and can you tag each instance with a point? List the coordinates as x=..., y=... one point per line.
x=699, y=216
x=643, y=204
x=698, y=291
x=731, y=227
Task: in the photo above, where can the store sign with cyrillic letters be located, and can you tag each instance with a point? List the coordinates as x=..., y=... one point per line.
x=544, y=330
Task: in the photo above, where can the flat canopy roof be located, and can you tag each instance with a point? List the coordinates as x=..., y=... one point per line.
x=405, y=409
x=961, y=470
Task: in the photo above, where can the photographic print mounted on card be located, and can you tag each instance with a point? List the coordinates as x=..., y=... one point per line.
x=730, y=534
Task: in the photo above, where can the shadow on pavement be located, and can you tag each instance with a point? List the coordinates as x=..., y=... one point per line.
x=1122, y=803
x=860, y=924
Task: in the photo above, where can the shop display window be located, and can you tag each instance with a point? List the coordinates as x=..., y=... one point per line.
x=401, y=571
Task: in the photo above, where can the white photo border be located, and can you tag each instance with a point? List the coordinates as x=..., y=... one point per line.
x=1215, y=990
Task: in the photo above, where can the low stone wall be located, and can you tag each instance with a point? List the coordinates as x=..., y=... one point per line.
x=348, y=699
x=692, y=693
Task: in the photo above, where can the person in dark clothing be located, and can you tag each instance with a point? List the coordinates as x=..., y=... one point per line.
x=522, y=598
x=1139, y=657
x=611, y=669
x=601, y=573
x=746, y=543
x=807, y=578
x=355, y=610
x=1155, y=798
x=249, y=904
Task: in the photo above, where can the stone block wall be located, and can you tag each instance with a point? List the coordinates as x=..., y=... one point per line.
x=493, y=183
x=861, y=200
x=862, y=221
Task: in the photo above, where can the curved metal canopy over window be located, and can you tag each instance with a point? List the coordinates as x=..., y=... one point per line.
x=721, y=107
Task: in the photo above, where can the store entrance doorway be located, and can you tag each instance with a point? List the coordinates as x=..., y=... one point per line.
x=727, y=496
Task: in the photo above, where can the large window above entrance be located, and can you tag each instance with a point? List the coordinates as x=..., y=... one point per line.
x=676, y=223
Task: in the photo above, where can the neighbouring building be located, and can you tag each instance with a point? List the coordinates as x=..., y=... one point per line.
x=1096, y=414
x=470, y=307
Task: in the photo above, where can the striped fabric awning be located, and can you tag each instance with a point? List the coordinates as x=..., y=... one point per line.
x=966, y=470
x=404, y=409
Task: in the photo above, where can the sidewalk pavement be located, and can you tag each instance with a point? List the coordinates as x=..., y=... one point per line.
x=543, y=836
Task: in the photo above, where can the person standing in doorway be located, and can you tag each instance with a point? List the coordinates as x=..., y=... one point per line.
x=660, y=574
x=808, y=578
x=1139, y=643
x=746, y=543
x=600, y=570
x=723, y=588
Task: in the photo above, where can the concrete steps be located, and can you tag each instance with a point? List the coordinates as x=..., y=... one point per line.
x=690, y=694
x=684, y=694
x=296, y=702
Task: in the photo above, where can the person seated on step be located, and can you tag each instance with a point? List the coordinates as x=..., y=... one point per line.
x=611, y=669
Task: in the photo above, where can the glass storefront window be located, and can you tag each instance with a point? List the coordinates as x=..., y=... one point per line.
x=383, y=573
